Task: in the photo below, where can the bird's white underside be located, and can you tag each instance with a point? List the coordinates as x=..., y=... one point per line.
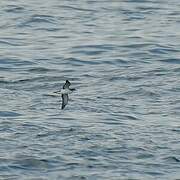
x=59, y=93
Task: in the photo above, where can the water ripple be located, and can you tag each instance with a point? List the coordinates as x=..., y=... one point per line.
x=9, y=114
x=122, y=122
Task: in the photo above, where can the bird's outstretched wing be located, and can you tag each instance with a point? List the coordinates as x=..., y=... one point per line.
x=64, y=100
x=66, y=85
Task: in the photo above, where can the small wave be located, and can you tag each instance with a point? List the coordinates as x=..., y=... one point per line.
x=9, y=114
x=40, y=70
x=116, y=62
x=12, y=41
x=162, y=50
x=14, y=9
x=31, y=163
x=78, y=62
x=88, y=52
x=138, y=45
x=53, y=29
x=5, y=69
x=176, y=129
x=59, y=36
x=14, y=62
x=144, y=155
x=171, y=61
x=77, y=9
x=9, y=43
x=143, y=92
x=26, y=80
x=176, y=70
x=155, y=72
x=100, y=46
x=38, y=79
x=172, y=159
x=38, y=19
x=130, y=117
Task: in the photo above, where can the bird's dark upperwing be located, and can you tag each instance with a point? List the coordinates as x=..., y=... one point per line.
x=64, y=100
x=66, y=85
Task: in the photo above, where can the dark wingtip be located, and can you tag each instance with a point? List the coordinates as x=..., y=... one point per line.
x=72, y=89
x=63, y=106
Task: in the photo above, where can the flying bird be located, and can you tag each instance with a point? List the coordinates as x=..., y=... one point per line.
x=64, y=93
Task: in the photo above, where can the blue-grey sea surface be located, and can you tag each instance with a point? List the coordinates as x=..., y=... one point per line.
x=123, y=120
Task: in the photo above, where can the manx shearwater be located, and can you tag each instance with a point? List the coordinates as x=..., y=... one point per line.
x=64, y=93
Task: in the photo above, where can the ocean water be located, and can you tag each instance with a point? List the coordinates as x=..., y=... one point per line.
x=122, y=122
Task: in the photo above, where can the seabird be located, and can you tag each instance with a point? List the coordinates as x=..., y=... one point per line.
x=64, y=93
